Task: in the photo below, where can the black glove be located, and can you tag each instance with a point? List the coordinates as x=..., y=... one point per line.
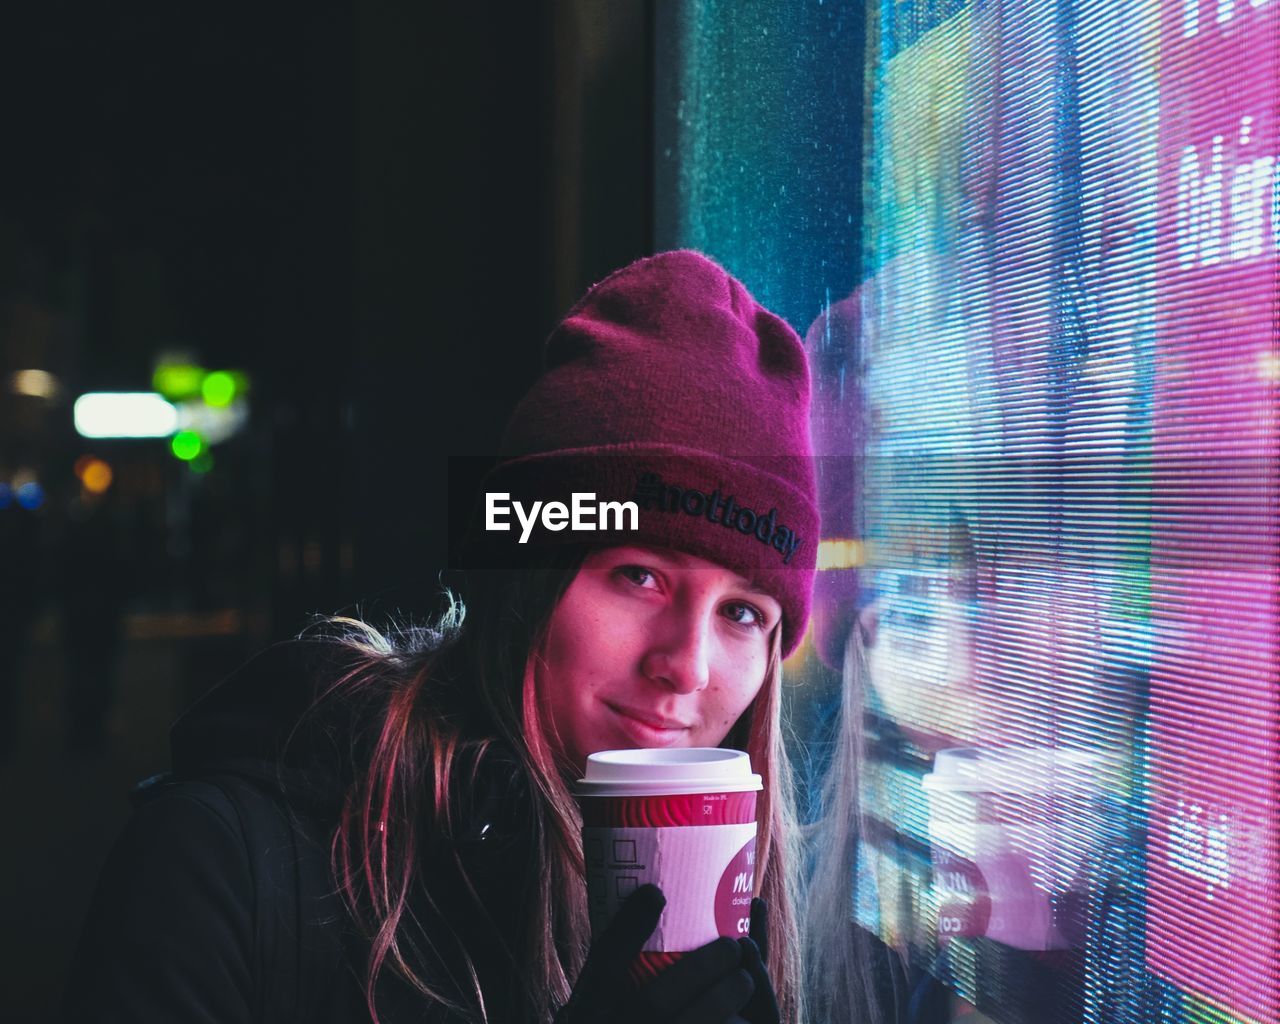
x=706, y=986
x=762, y=1007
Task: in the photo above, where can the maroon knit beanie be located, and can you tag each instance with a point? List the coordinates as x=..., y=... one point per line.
x=670, y=386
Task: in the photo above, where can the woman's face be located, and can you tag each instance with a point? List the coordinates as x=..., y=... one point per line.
x=651, y=647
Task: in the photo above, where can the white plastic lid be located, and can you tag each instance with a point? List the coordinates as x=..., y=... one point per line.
x=668, y=771
x=1010, y=769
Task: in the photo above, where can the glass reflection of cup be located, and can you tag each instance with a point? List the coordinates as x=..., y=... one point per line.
x=1012, y=831
x=683, y=819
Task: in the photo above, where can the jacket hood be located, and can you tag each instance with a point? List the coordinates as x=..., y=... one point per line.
x=259, y=722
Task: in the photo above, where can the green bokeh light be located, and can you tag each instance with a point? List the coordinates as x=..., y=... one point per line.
x=219, y=388
x=186, y=445
x=177, y=381
x=202, y=463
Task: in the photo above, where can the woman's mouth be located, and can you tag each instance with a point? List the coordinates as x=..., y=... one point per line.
x=647, y=729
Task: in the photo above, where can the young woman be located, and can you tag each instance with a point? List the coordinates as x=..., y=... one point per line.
x=433, y=768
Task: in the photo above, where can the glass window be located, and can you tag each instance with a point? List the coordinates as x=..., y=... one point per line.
x=1033, y=250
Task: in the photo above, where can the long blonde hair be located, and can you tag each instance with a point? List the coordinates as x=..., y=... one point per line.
x=434, y=702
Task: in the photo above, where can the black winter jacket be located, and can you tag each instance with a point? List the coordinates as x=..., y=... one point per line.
x=171, y=935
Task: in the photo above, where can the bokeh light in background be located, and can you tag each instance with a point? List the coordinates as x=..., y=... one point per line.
x=30, y=495
x=178, y=381
x=221, y=387
x=94, y=474
x=124, y=414
x=218, y=389
x=186, y=445
x=35, y=384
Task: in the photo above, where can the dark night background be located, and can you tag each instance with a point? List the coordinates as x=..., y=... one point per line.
x=376, y=213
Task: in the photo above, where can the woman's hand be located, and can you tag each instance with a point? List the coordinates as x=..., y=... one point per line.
x=762, y=1007
x=707, y=986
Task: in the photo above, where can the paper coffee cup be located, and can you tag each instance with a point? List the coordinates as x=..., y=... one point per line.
x=683, y=819
x=1012, y=831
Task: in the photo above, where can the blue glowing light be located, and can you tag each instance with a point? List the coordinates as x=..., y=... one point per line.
x=31, y=496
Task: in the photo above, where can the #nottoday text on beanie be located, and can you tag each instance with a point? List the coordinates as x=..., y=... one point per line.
x=670, y=389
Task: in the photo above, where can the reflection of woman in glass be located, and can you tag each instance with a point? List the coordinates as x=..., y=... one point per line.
x=430, y=779
x=857, y=964
x=855, y=936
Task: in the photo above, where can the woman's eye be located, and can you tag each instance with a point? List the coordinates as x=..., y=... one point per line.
x=638, y=575
x=745, y=614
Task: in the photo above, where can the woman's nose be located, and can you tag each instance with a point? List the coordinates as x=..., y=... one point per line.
x=679, y=655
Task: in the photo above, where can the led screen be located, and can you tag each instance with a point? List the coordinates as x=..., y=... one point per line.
x=1071, y=321
x=1052, y=373
x=1212, y=887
